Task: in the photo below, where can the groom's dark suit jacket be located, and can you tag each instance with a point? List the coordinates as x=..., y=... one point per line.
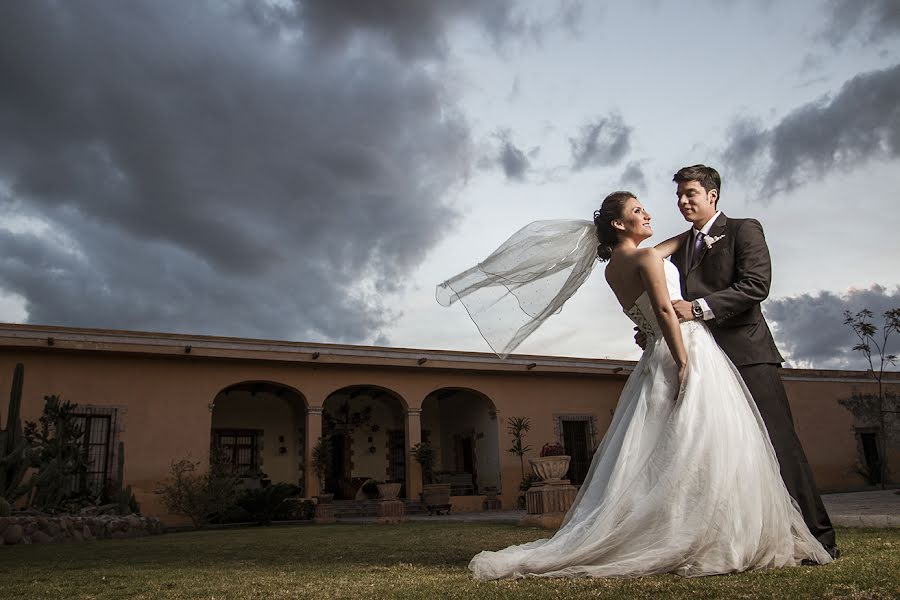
x=733, y=276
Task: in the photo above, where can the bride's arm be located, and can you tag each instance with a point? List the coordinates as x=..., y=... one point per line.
x=650, y=267
x=668, y=247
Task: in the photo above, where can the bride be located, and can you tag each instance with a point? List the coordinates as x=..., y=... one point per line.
x=685, y=480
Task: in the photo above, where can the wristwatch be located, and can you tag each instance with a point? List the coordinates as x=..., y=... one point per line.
x=697, y=310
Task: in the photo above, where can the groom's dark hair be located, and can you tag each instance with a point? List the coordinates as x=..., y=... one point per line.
x=705, y=176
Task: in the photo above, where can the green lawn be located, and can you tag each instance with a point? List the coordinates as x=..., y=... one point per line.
x=414, y=560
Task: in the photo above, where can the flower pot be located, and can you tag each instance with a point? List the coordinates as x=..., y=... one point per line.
x=436, y=497
x=325, y=498
x=550, y=468
x=389, y=491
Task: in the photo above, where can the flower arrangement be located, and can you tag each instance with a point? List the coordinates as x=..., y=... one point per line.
x=552, y=449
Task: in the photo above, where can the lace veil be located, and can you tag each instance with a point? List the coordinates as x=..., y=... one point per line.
x=524, y=281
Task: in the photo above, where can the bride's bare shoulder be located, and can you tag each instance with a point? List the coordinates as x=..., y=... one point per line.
x=647, y=255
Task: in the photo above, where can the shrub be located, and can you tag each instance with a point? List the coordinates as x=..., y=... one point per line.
x=266, y=504
x=524, y=485
x=201, y=497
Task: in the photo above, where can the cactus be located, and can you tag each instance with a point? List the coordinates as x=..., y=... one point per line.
x=14, y=456
x=123, y=498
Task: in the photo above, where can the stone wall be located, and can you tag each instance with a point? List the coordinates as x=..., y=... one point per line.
x=45, y=530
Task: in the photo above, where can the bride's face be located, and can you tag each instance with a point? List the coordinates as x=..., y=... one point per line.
x=635, y=220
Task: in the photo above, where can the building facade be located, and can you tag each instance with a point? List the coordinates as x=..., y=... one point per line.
x=263, y=405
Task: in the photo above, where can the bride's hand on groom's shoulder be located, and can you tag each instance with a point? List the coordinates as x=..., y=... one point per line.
x=683, y=310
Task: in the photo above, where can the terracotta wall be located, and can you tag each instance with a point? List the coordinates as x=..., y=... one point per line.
x=166, y=402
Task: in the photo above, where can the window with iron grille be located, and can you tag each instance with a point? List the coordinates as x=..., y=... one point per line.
x=98, y=425
x=240, y=449
x=396, y=456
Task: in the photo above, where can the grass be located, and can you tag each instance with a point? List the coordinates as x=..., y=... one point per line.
x=413, y=560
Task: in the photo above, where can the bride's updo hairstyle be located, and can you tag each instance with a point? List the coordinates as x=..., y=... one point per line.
x=610, y=210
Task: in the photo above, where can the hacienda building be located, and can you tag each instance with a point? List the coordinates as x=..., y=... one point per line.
x=264, y=404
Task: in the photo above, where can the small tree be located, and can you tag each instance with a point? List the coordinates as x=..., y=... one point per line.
x=517, y=427
x=321, y=460
x=874, y=348
x=425, y=455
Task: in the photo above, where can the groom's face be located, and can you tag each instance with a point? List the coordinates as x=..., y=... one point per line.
x=697, y=206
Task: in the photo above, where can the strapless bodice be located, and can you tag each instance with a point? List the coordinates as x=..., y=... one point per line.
x=642, y=311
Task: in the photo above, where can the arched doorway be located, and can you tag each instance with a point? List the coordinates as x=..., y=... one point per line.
x=461, y=425
x=258, y=428
x=366, y=428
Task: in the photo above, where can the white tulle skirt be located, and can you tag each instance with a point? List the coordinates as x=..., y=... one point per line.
x=689, y=487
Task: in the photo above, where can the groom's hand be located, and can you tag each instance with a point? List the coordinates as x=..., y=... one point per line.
x=683, y=310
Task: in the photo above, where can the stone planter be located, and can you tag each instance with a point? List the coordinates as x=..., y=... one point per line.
x=389, y=491
x=325, y=498
x=436, y=497
x=551, y=469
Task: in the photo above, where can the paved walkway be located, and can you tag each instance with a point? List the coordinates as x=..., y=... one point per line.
x=857, y=509
x=864, y=509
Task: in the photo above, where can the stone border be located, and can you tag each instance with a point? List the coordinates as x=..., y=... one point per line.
x=67, y=528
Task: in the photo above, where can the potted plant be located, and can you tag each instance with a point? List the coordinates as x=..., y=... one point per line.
x=321, y=463
x=553, y=463
x=435, y=496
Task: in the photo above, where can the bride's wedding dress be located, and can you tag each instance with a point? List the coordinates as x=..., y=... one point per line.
x=689, y=487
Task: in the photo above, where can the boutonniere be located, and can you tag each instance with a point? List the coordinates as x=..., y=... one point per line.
x=712, y=239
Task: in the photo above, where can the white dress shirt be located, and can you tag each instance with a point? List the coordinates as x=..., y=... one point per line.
x=707, y=311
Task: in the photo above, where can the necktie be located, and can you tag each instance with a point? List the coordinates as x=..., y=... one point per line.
x=698, y=248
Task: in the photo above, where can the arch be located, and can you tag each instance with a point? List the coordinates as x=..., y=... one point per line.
x=461, y=424
x=371, y=386
x=262, y=385
x=366, y=426
x=258, y=427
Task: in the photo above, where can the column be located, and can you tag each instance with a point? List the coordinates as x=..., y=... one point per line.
x=413, y=437
x=313, y=433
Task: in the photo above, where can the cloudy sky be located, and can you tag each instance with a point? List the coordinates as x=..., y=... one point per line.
x=310, y=169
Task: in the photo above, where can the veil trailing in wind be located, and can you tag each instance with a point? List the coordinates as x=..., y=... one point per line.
x=524, y=281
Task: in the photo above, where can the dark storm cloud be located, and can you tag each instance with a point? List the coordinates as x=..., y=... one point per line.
x=413, y=28
x=600, y=143
x=194, y=172
x=513, y=161
x=869, y=20
x=809, y=328
x=633, y=178
x=860, y=122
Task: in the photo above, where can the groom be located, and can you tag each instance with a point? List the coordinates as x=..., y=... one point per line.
x=725, y=275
